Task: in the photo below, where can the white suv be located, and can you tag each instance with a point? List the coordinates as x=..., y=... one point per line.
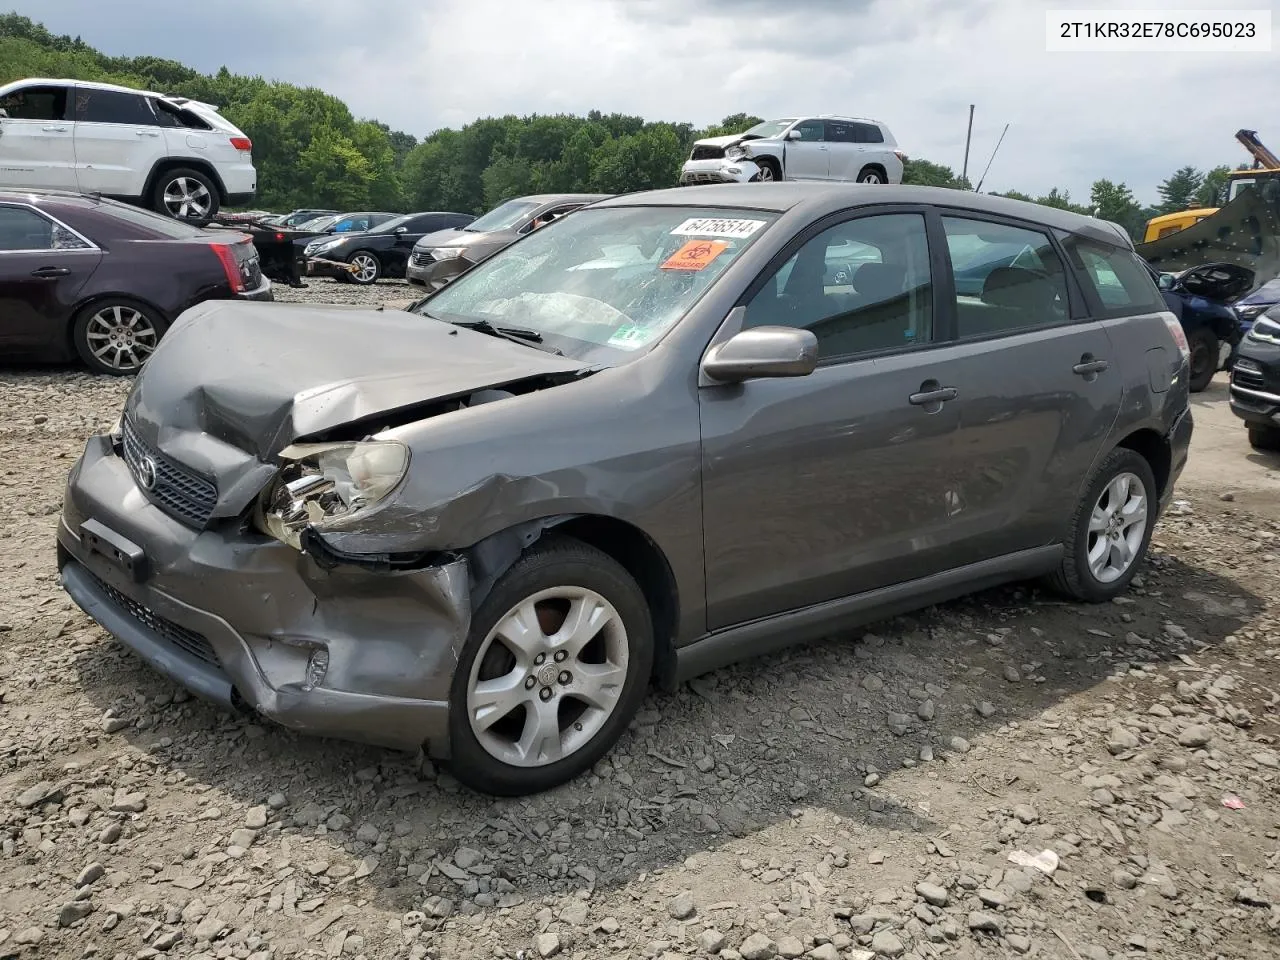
x=176, y=156
x=799, y=148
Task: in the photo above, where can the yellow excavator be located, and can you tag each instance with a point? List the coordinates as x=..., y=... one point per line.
x=1266, y=166
x=1244, y=231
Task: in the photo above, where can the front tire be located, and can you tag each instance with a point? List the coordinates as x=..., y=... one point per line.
x=187, y=195
x=1110, y=530
x=555, y=666
x=1264, y=438
x=116, y=336
x=769, y=171
x=1204, y=359
x=367, y=268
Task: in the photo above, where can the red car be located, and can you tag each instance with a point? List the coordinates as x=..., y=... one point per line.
x=89, y=277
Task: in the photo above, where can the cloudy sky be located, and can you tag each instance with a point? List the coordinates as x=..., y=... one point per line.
x=916, y=64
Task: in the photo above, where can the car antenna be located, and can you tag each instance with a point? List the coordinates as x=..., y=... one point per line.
x=982, y=179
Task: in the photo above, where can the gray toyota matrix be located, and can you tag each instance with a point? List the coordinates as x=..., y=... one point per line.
x=668, y=432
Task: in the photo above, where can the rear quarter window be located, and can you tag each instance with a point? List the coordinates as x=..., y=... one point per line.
x=1116, y=277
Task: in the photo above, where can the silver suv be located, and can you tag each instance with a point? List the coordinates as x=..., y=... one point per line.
x=668, y=432
x=828, y=147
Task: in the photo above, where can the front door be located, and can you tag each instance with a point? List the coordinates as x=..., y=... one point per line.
x=833, y=484
x=118, y=141
x=1039, y=389
x=42, y=268
x=37, y=146
x=808, y=157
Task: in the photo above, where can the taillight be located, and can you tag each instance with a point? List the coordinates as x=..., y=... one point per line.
x=229, y=266
x=242, y=143
x=1179, y=336
x=279, y=238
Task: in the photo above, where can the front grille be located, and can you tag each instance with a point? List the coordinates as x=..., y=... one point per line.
x=707, y=153
x=186, y=640
x=702, y=178
x=179, y=492
x=422, y=258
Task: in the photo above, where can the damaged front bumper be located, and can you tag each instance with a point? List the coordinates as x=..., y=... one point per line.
x=245, y=621
x=718, y=171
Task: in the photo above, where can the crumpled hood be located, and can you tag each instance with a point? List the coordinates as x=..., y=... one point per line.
x=482, y=242
x=258, y=376
x=726, y=141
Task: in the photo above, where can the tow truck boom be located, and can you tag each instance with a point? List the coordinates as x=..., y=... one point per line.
x=1262, y=157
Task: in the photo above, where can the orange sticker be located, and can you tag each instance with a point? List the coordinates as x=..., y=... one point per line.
x=695, y=255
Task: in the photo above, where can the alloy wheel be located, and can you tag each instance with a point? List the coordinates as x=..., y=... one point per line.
x=366, y=268
x=186, y=198
x=1117, y=526
x=766, y=173
x=547, y=677
x=121, y=337
x=870, y=177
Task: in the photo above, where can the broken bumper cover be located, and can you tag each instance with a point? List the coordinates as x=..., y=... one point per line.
x=237, y=617
x=718, y=171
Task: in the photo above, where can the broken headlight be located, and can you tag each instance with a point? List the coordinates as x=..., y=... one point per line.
x=321, y=484
x=734, y=153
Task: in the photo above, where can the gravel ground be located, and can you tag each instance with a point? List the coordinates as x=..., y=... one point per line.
x=1007, y=775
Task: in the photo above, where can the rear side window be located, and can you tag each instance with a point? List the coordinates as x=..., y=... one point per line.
x=1007, y=278
x=1115, y=276
x=867, y=133
x=838, y=132
x=110, y=106
x=36, y=103
x=22, y=229
x=169, y=115
x=137, y=223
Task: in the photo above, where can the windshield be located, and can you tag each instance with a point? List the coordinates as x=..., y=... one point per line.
x=504, y=217
x=604, y=283
x=769, y=129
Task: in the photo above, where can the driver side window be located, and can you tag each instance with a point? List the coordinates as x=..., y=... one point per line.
x=861, y=286
x=812, y=131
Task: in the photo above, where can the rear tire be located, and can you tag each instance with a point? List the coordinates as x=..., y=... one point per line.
x=1264, y=438
x=1110, y=529
x=116, y=336
x=1204, y=359
x=187, y=195
x=557, y=698
x=872, y=175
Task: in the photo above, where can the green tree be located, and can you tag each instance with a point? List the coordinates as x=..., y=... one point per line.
x=505, y=178
x=1115, y=202
x=1180, y=191
x=1213, y=191
x=926, y=174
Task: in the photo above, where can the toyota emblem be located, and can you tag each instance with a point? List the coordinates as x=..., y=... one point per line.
x=147, y=473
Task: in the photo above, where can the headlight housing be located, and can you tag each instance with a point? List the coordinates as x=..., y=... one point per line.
x=1251, y=310
x=316, y=246
x=446, y=253
x=323, y=485
x=734, y=153
x=1266, y=330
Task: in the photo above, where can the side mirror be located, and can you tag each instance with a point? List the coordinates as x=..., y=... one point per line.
x=4, y=114
x=1166, y=281
x=793, y=134
x=762, y=352
x=402, y=229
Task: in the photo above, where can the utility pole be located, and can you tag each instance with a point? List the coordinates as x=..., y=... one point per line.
x=964, y=174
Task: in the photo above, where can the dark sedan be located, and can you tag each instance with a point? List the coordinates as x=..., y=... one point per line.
x=1255, y=382
x=88, y=277
x=382, y=251
x=441, y=256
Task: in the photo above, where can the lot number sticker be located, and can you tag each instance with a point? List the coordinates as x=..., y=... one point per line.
x=714, y=227
x=695, y=255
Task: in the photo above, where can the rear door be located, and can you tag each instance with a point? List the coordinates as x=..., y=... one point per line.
x=43, y=266
x=845, y=153
x=37, y=143
x=1039, y=385
x=807, y=158
x=118, y=141
x=414, y=230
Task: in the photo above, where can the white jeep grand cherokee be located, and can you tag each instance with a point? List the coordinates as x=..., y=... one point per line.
x=798, y=148
x=176, y=156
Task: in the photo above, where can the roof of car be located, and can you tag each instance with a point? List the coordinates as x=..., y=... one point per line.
x=117, y=88
x=66, y=197
x=824, y=198
x=565, y=197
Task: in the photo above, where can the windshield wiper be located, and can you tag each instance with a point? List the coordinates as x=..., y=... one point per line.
x=515, y=334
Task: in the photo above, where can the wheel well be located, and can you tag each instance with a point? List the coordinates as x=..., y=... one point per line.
x=1151, y=447
x=770, y=161
x=644, y=560
x=98, y=298
x=173, y=163
x=878, y=168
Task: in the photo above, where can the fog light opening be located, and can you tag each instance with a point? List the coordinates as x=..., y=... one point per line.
x=317, y=667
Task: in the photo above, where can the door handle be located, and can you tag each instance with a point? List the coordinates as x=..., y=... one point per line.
x=1087, y=366
x=146, y=133
x=54, y=129
x=48, y=273
x=934, y=395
